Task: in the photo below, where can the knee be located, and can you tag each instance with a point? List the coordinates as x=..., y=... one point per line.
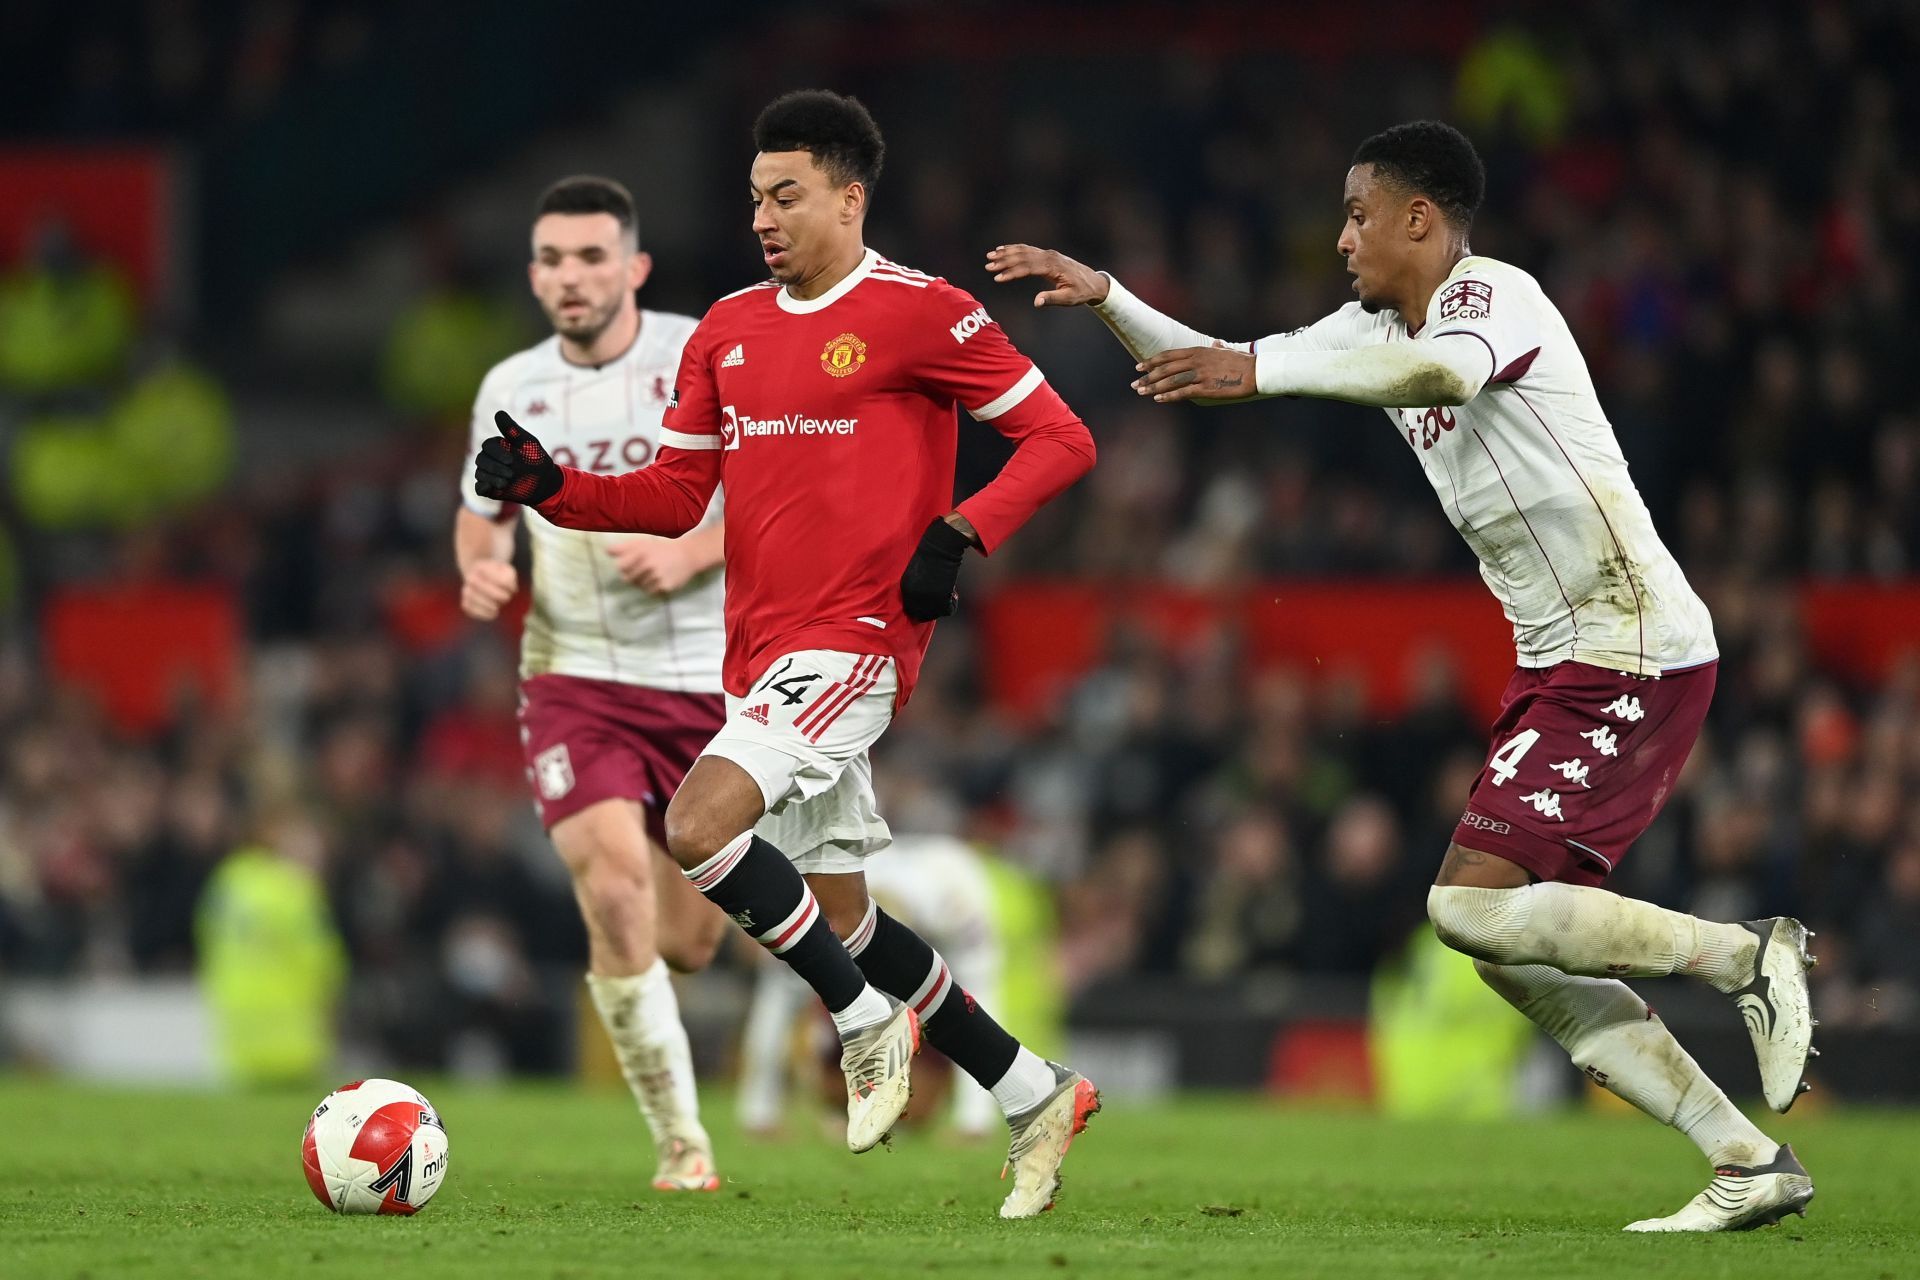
x=1482, y=923
x=692, y=836
x=609, y=878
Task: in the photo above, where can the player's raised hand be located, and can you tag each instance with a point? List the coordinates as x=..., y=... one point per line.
x=1074, y=284
x=487, y=587
x=1203, y=374
x=514, y=466
x=660, y=565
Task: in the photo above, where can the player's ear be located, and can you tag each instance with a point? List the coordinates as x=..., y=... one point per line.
x=1420, y=217
x=853, y=201
x=639, y=268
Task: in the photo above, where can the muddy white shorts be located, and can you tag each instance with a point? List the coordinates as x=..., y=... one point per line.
x=802, y=732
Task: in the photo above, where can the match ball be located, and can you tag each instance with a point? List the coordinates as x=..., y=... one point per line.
x=375, y=1146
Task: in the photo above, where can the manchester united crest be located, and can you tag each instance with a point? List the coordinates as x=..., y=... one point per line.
x=844, y=356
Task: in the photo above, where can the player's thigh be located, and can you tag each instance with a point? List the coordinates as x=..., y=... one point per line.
x=576, y=747
x=1578, y=770
x=605, y=845
x=801, y=734
x=715, y=803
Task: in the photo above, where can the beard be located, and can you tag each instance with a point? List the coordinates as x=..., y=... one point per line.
x=586, y=327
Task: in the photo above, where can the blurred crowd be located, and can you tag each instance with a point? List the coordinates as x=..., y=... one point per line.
x=1728, y=218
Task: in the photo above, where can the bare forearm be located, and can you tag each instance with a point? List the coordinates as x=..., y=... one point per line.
x=476, y=538
x=706, y=546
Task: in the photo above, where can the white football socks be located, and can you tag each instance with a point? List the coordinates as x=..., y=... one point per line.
x=1583, y=930
x=1026, y=1085
x=869, y=1009
x=642, y=1018
x=1621, y=1045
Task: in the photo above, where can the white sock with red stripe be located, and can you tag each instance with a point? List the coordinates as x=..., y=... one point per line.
x=761, y=892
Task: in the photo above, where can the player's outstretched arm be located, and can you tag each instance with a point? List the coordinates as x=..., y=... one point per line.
x=1142, y=330
x=668, y=498
x=1388, y=376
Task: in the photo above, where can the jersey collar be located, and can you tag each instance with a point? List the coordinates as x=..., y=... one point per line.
x=798, y=307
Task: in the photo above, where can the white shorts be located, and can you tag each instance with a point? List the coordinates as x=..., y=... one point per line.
x=802, y=732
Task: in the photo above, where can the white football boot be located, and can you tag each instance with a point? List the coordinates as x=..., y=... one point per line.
x=877, y=1062
x=1776, y=1008
x=686, y=1164
x=1041, y=1137
x=1740, y=1199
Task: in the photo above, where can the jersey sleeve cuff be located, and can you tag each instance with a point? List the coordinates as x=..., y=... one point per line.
x=1270, y=373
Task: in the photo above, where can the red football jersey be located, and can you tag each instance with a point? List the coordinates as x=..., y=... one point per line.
x=831, y=423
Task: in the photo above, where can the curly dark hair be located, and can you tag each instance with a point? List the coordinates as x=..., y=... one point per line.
x=1433, y=159
x=836, y=130
x=590, y=193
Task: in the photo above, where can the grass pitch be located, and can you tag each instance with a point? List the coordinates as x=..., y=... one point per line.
x=551, y=1182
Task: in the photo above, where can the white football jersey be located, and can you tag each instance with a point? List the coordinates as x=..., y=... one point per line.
x=1531, y=475
x=586, y=620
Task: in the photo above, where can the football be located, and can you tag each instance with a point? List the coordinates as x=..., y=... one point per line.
x=375, y=1146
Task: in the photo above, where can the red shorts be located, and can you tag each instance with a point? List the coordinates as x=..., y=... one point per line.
x=1582, y=762
x=591, y=740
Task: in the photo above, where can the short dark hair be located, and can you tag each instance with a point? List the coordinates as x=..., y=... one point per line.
x=590, y=193
x=1433, y=159
x=836, y=130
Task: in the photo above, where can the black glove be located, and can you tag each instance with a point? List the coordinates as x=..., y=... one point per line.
x=515, y=467
x=930, y=587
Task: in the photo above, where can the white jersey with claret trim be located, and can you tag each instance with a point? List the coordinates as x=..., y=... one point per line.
x=586, y=620
x=1530, y=473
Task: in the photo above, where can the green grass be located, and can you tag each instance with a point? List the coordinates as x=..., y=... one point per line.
x=551, y=1182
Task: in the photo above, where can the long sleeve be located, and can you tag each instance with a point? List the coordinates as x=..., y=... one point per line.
x=967, y=356
x=1390, y=376
x=1146, y=332
x=1052, y=449
x=667, y=498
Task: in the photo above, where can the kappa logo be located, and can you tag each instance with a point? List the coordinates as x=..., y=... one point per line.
x=553, y=772
x=1481, y=822
x=1574, y=771
x=971, y=323
x=1605, y=741
x=539, y=408
x=757, y=714
x=1467, y=300
x=1626, y=707
x=662, y=394
x=1547, y=802
x=736, y=357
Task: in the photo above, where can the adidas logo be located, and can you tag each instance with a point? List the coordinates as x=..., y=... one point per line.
x=737, y=356
x=757, y=714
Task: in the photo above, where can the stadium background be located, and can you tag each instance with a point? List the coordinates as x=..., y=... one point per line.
x=1217, y=707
